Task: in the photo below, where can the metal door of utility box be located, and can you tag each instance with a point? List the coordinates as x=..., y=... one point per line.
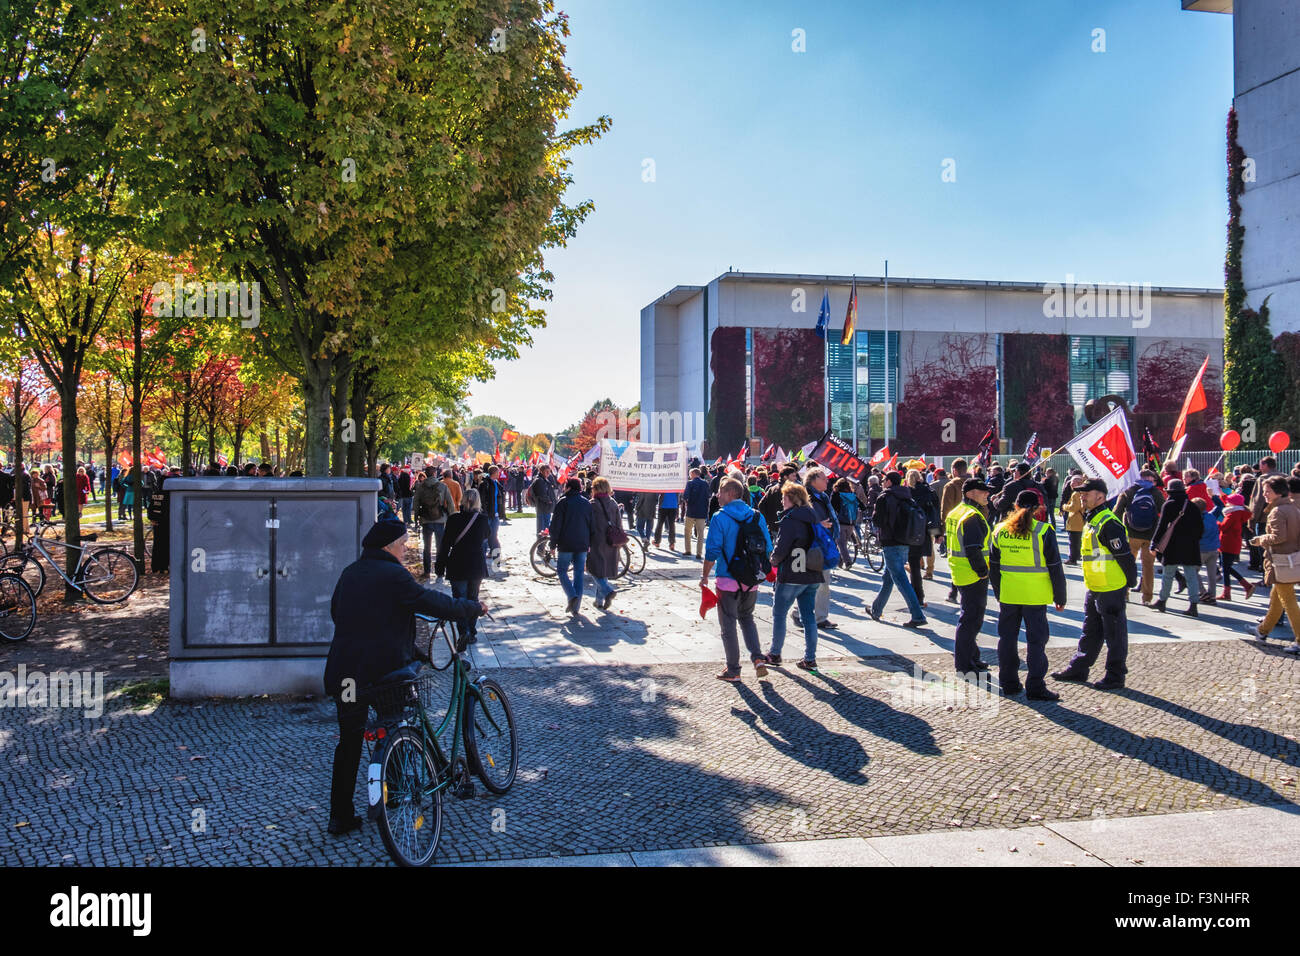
x=254, y=562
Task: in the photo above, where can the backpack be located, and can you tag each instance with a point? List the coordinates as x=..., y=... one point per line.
x=910, y=523
x=849, y=504
x=830, y=550
x=749, y=565
x=1142, y=514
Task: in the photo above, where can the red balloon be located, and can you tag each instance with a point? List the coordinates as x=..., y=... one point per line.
x=1229, y=440
x=1279, y=442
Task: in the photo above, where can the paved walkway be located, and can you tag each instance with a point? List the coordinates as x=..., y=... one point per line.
x=655, y=617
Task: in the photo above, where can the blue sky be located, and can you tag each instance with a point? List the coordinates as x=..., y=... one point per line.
x=1108, y=166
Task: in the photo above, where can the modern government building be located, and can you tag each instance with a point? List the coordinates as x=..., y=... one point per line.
x=741, y=356
x=738, y=357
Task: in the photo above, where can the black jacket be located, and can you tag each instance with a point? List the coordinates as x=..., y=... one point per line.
x=572, y=525
x=794, y=534
x=885, y=516
x=770, y=507
x=463, y=560
x=1184, y=545
x=1006, y=502
x=373, y=608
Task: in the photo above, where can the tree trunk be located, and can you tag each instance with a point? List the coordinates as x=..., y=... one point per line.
x=71, y=516
x=239, y=442
x=361, y=388
x=110, y=450
x=212, y=437
x=20, y=518
x=342, y=388
x=137, y=412
x=316, y=399
x=187, y=430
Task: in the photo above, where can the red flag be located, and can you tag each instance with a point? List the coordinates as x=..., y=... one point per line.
x=1195, y=401
x=509, y=435
x=879, y=456
x=771, y=449
x=850, y=315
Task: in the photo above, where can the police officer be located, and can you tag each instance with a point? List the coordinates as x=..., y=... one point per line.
x=966, y=533
x=1108, y=572
x=1025, y=566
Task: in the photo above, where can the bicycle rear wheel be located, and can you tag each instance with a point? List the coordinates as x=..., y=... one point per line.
x=410, y=810
x=636, y=554
x=491, y=743
x=25, y=566
x=108, y=576
x=17, y=608
x=851, y=550
x=875, y=556
x=542, y=557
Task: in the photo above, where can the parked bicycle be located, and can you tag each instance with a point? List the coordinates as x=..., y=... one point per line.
x=105, y=575
x=17, y=607
x=409, y=769
x=631, y=558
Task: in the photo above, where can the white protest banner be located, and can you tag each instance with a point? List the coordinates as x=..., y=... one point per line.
x=640, y=466
x=1105, y=451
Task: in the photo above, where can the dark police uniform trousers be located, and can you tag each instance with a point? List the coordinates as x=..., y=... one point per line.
x=974, y=602
x=1105, y=620
x=347, y=758
x=1035, y=618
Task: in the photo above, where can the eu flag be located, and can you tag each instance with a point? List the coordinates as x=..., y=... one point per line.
x=824, y=316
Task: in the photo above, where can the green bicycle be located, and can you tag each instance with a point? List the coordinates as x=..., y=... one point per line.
x=409, y=770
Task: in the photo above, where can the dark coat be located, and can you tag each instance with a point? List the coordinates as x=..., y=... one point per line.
x=1185, y=544
x=770, y=507
x=795, y=532
x=697, y=498
x=572, y=526
x=924, y=496
x=602, y=559
x=885, y=514
x=463, y=560
x=373, y=608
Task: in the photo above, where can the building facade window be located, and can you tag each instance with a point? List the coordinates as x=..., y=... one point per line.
x=855, y=374
x=749, y=382
x=1101, y=365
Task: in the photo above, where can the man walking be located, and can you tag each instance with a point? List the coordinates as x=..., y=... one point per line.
x=953, y=495
x=967, y=531
x=489, y=492
x=405, y=493
x=820, y=502
x=697, y=512
x=543, y=492
x=668, y=516
x=572, y=527
x=1139, y=508
x=1108, y=570
x=736, y=600
x=891, y=517
x=433, y=505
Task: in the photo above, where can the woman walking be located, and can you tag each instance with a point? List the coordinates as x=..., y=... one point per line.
x=607, y=540
x=462, y=556
x=845, y=504
x=924, y=497
x=1025, y=568
x=796, y=583
x=1177, y=542
x=1235, y=516
x=1281, y=544
x=1073, y=510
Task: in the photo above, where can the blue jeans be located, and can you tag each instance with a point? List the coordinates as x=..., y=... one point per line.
x=896, y=574
x=572, y=588
x=543, y=519
x=603, y=588
x=785, y=596
x=492, y=541
x=406, y=510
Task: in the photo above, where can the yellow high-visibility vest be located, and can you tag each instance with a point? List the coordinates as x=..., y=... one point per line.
x=1101, y=570
x=1025, y=579
x=958, y=563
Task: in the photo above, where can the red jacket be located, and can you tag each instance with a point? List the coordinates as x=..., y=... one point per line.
x=1234, y=517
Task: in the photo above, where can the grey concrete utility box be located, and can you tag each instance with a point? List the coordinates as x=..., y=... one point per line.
x=254, y=562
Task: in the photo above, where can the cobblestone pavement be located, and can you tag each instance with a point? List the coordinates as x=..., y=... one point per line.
x=628, y=758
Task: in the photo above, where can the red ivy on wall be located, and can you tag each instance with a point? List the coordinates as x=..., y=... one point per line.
x=725, y=427
x=957, y=384
x=1036, y=389
x=789, y=390
x=1165, y=372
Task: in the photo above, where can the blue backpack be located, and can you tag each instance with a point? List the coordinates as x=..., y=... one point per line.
x=1142, y=513
x=830, y=550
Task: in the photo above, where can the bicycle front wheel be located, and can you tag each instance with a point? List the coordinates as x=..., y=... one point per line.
x=410, y=814
x=542, y=557
x=17, y=608
x=26, y=567
x=108, y=576
x=491, y=743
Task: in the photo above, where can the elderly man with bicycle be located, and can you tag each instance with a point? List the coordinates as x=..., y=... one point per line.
x=373, y=609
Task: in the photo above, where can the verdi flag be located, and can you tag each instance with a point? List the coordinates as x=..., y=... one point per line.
x=1194, y=402
x=1105, y=451
x=879, y=457
x=850, y=315
x=824, y=315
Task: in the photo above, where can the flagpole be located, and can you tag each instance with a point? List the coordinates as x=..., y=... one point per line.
x=853, y=371
x=826, y=381
x=886, y=353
